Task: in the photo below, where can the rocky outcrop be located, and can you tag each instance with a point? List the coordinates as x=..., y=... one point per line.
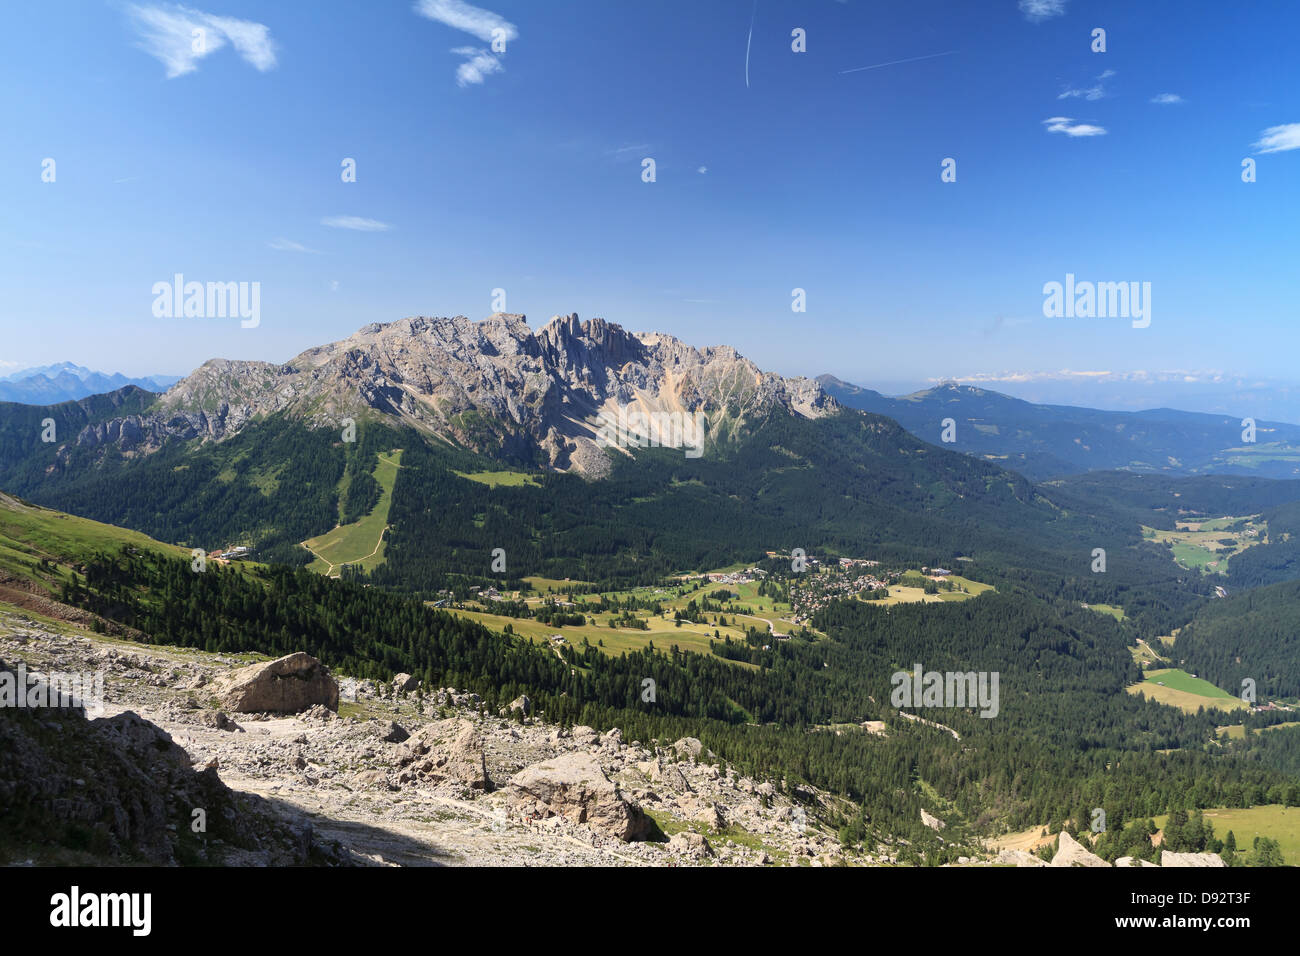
x=1168, y=858
x=574, y=787
x=120, y=790
x=286, y=685
x=446, y=750
x=1070, y=852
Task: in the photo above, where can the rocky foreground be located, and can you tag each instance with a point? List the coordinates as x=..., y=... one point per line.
x=398, y=777
x=286, y=764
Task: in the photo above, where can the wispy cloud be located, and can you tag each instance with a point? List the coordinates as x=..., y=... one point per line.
x=702, y=170
x=1063, y=124
x=288, y=245
x=358, y=223
x=1094, y=92
x=1165, y=99
x=484, y=24
x=1036, y=11
x=179, y=37
x=1279, y=139
x=479, y=64
x=628, y=149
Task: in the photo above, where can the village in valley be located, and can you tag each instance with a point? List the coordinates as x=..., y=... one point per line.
x=774, y=599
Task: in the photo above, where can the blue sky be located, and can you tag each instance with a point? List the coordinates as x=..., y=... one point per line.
x=522, y=171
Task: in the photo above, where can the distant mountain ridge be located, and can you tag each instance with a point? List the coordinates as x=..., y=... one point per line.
x=67, y=382
x=1043, y=441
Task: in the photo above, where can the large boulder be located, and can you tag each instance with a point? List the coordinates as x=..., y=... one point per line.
x=1071, y=852
x=691, y=845
x=574, y=787
x=404, y=684
x=445, y=750
x=286, y=685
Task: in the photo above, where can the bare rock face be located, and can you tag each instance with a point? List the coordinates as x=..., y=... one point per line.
x=1168, y=858
x=1072, y=853
x=574, y=787
x=496, y=386
x=446, y=750
x=287, y=685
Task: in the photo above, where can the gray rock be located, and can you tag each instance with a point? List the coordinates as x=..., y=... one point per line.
x=287, y=685
x=574, y=787
x=1071, y=852
x=1168, y=858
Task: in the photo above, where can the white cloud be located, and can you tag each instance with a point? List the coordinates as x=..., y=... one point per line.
x=288, y=245
x=1279, y=139
x=355, y=222
x=479, y=65
x=483, y=24
x=702, y=170
x=1094, y=92
x=470, y=19
x=1166, y=98
x=1036, y=11
x=1063, y=124
x=179, y=37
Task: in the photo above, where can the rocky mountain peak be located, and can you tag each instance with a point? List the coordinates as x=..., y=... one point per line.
x=548, y=391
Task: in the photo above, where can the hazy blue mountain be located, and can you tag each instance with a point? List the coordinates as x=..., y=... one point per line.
x=66, y=382
x=1042, y=441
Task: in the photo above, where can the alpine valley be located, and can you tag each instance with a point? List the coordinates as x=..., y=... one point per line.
x=430, y=515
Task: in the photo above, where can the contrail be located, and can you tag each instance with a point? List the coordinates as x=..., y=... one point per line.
x=749, y=42
x=876, y=66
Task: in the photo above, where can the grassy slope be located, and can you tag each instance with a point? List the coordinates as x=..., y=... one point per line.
x=29, y=533
x=362, y=541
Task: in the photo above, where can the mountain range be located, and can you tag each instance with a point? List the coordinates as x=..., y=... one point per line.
x=494, y=386
x=64, y=381
x=539, y=398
